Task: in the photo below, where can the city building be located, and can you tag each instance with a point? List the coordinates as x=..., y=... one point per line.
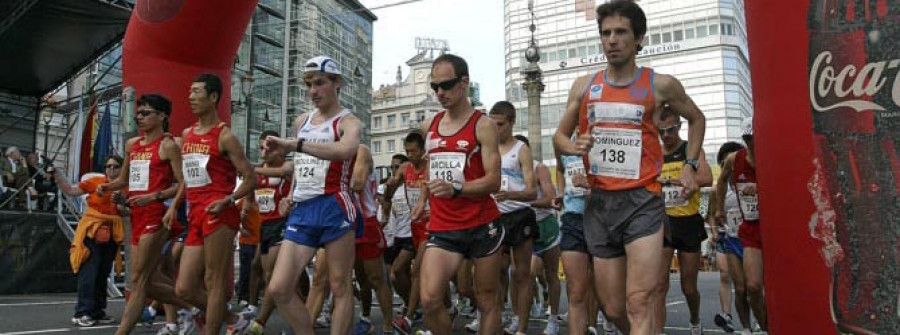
x=703, y=43
x=402, y=106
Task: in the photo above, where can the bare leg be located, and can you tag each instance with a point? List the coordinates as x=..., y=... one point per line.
x=724, y=282
x=268, y=303
x=341, y=254
x=487, y=293
x=690, y=265
x=551, y=270
x=374, y=269
x=255, y=278
x=741, y=302
x=609, y=280
x=319, y=290
x=416, y=282
x=438, y=267
x=401, y=276
x=578, y=285
x=753, y=273
x=643, y=264
x=662, y=289
x=145, y=263
x=291, y=261
x=218, y=256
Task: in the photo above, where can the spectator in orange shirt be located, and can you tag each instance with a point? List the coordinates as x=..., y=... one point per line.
x=98, y=236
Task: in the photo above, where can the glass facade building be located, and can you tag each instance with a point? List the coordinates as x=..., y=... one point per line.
x=702, y=43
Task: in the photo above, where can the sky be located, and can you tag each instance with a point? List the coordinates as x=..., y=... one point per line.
x=473, y=30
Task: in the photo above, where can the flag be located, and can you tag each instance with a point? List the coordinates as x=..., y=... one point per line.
x=87, y=138
x=103, y=142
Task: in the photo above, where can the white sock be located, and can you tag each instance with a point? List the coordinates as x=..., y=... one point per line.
x=152, y=311
x=172, y=326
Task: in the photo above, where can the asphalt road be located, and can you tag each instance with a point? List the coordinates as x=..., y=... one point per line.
x=51, y=314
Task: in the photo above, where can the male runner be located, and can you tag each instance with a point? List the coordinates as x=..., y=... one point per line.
x=399, y=216
x=273, y=185
x=324, y=211
x=614, y=111
x=211, y=157
x=370, y=247
x=739, y=171
x=685, y=222
x=517, y=188
x=153, y=164
x=463, y=170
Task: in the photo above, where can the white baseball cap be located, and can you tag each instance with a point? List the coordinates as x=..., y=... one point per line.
x=747, y=127
x=322, y=64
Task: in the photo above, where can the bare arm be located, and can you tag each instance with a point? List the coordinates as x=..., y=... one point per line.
x=393, y=183
x=68, y=189
x=361, y=169
x=669, y=91
x=486, y=133
x=344, y=149
x=546, y=185
x=704, y=175
x=171, y=151
x=282, y=171
x=722, y=184
x=562, y=140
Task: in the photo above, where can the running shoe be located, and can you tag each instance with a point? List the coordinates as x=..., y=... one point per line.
x=401, y=325
x=512, y=327
x=552, y=328
x=697, y=329
x=240, y=326
x=724, y=321
x=322, y=321
x=473, y=326
x=165, y=330
x=185, y=322
x=363, y=327
x=86, y=321
x=105, y=320
x=255, y=329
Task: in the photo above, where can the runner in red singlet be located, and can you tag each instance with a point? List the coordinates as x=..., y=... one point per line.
x=324, y=210
x=211, y=158
x=739, y=170
x=463, y=171
x=153, y=164
x=614, y=111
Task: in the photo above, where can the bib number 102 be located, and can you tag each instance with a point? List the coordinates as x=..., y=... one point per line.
x=612, y=156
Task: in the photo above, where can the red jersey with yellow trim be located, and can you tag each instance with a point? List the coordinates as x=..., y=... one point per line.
x=269, y=192
x=744, y=182
x=626, y=153
x=207, y=173
x=456, y=158
x=415, y=183
x=148, y=173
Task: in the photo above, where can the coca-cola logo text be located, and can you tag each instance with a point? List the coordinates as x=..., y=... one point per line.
x=858, y=84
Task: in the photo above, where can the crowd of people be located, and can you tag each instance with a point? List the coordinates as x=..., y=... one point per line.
x=468, y=204
x=25, y=184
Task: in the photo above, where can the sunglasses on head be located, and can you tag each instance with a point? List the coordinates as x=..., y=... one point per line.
x=670, y=130
x=445, y=85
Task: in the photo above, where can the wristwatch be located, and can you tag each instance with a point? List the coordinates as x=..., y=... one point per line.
x=694, y=163
x=457, y=189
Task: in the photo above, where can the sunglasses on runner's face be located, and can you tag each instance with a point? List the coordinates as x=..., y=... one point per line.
x=112, y=166
x=670, y=130
x=145, y=112
x=445, y=85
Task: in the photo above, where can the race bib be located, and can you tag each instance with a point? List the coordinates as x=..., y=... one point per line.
x=733, y=221
x=310, y=172
x=139, y=175
x=414, y=194
x=616, y=152
x=447, y=166
x=504, y=183
x=749, y=202
x=572, y=169
x=673, y=196
x=265, y=199
x=194, y=169
x=400, y=208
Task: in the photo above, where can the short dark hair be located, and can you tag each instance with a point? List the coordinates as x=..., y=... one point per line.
x=523, y=139
x=506, y=109
x=415, y=137
x=627, y=9
x=268, y=133
x=212, y=83
x=401, y=157
x=460, y=67
x=726, y=149
x=116, y=158
x=156, y=101
x=667, y=112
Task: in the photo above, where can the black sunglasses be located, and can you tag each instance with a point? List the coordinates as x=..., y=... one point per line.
x=671, y=130
x=145, y=112
x=113, y=166
x=445, y=85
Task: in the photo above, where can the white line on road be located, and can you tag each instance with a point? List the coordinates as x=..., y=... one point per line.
x=704, y=330
x=49, y=303
x=679, y=302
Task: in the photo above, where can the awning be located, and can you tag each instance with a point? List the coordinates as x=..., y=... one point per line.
x=44, y=42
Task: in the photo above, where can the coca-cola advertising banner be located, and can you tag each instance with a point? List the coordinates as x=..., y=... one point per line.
x=826, y=96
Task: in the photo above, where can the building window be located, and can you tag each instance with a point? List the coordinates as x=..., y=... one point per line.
x=689, y=33
x=667, y=37
x=714, y=29
x=420, y=116
x=404, y=119
x=679, y=35
x=391, y=121
x=701, y=32
x=376, y=147
x=654, y=39
x=390, y=146
x=376, y=122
